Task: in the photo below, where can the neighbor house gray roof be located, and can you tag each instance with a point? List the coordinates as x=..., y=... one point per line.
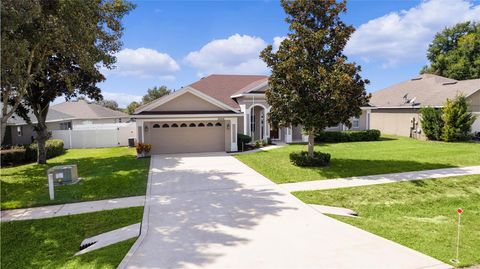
x=71, y=111
x=425, y=90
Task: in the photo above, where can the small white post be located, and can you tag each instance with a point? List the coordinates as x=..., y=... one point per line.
x=459, y=211
x=50, y=187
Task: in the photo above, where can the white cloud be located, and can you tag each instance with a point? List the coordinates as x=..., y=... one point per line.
x=237, y=54
x=143, y=63
x=405, y=35
x=277, y=41
x=123, y=99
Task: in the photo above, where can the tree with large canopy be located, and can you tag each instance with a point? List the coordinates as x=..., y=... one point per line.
x=312, y=84
x=455, y=52
x=86, y=35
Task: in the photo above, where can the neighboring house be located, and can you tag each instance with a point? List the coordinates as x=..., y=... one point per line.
x=208, y=114
x=63, y=116
x=396, y=108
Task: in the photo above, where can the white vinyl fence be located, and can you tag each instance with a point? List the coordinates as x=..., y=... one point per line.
x=96, y=135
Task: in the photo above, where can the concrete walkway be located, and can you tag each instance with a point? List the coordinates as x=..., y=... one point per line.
x=212, y=211
x=70, y=209
x=379, y=179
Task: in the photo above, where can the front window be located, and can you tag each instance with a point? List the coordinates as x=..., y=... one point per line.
x=356, y=123
x=252, y=123
x=20, y=130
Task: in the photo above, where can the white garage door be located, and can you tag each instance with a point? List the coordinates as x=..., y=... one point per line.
x=185, y=137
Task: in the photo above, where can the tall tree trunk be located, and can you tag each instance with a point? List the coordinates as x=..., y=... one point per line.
x=42, y=137
x=311, y=142
x=3, y=127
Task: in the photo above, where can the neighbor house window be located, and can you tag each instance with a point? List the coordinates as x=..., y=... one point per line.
x=20, y=130
x=66, y=125
x=119, y=120
x=356, y=123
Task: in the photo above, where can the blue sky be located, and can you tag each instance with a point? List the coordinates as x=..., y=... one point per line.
x=174, y=43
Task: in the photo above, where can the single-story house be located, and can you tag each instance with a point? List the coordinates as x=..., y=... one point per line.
x=63, y=116
x=395, y=109
x=208, y=114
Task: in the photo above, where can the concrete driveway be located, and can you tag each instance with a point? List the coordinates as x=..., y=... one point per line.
x=212, y=211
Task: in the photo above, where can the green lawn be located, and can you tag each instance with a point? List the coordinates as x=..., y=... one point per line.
x=391, y=155
x=105, y=173
x=418, y=214
x=51, y=243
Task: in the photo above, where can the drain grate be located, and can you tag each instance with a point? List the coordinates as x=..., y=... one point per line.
x=84, y=246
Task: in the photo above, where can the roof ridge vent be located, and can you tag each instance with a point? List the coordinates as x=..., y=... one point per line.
x=450, y=83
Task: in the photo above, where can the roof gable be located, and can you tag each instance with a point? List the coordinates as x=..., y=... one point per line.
x=200, y=104
x=222, y=87
x=187, y=102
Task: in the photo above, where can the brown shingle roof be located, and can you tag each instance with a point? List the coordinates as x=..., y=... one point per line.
x=427, y=89
x=221, y=87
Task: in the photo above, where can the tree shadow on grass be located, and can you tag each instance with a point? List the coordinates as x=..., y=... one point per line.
x=341, y=168
x=51, y=243
x=196, y=214
x=102, y=178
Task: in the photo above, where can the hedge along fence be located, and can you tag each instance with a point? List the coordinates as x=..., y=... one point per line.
x=347, y=136
x=54, y=147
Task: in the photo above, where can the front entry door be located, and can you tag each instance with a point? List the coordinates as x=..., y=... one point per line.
x=274, y=134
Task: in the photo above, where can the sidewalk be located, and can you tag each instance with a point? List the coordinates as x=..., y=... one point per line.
x=70, y=209
x=379, y=179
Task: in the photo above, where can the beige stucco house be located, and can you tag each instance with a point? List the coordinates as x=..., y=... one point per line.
x=395, y=109
x=207, y=116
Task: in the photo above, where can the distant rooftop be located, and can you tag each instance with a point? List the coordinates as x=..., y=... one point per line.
x=74, y=110
x=424, y=90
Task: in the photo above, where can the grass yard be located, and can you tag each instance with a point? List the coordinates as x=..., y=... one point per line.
x=51, y=243
x=419, y=214
x=105, y=173
x=390, y=155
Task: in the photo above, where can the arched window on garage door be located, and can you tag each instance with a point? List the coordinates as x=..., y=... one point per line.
x=174, y=125
x=183, y=125
x=218, y=124
x=165, y=126
x=192, y=125
x=156, y=125
x=209, y=124
x=201, y=124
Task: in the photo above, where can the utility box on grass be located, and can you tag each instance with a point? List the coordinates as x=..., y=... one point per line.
x=63, y=174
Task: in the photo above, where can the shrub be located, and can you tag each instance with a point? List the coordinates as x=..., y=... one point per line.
x=457, y=121
x=143, y=147
x=347, y=136
x=54, y=148
x=302, y=159
x=258, y=143
x=432, y=123
x=244, y=139
x=12, y=156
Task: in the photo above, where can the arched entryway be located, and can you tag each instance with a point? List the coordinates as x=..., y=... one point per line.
x=258, y=124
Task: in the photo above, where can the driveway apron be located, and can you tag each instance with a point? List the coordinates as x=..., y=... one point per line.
x=210, y=210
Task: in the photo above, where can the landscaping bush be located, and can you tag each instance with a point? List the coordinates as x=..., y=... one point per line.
x=432, y=123
x=302, y=159
x=242, y=141
x=457, y=120
x=54, y=148
x=347, y=136
x=12, y=156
